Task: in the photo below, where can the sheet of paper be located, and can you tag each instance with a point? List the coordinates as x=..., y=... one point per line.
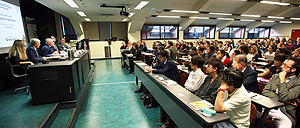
x=160, y=78
x=141, y=63
x=180, y=95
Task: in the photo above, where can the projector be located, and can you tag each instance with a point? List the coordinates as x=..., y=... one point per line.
x=123, y=13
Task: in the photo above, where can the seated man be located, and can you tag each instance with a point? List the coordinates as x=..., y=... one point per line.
x=32, y=52
x=250, y=76
x=46, y=49
x=63, y=46
x=166, y=67
x=169, y=69
x=236, y=102
x=209, y=89
x=284, y=87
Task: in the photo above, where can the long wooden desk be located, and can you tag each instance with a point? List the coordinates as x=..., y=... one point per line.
x=59, y=80
x=129, y=61
x=176, y=106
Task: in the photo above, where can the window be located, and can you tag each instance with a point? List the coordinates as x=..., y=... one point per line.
x=159, y=32
x=259, y=33
x=232, y=33
x=194, y=32
x=68, y=31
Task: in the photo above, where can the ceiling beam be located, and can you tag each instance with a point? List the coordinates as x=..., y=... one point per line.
x=202, y=5
x=223, y=24
x=136, y=25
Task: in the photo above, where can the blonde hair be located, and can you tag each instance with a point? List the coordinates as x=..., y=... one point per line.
x=18, y=47
x=256, y=50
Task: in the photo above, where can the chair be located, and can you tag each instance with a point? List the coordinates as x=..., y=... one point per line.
x=252, y=115
x=17, y=75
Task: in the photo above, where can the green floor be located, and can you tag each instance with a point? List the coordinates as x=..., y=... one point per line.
x=109, y=102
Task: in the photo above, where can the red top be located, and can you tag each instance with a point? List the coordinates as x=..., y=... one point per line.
x=227, y=60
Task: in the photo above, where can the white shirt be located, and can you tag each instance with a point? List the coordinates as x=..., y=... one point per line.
x=238, y=106
x=267, y=53
x=195, y=80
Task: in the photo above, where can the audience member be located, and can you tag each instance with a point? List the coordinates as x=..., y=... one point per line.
x=209, y=88
x=221, y=54
x=233, y=98
x=196, y=77
x=250, y=76
x=284, y=87
x=209, y=53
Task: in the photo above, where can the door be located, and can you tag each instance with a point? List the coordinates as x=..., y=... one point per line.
x=295, y=33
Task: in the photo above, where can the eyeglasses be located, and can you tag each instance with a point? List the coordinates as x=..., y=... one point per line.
x=209, y=66
x=286, y=66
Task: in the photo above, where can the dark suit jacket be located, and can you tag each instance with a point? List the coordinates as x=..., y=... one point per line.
x=169, y=69
x=250, y=80
x=137, y=54
x=46, y=50
x=61, y=46
x=209, y=92
x=32, y=54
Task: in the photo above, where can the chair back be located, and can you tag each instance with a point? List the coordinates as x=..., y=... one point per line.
x=13, y=67
x=252, y=113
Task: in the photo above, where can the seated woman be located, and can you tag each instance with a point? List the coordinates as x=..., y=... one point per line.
x=233, y=98
x=136, y=51
x=209, y=88
x=143, y=47
x=221, y=54
x=196, y=77
x=278, y=61
x=17, y=56
x=254, y=53
x=271, y=51
x=296, y=53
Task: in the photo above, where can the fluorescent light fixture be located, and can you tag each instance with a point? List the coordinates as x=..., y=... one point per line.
x=131, y=14
x=275, y=17
x=87, y=19
x=270, y=21
x=169, y=16
x=141, y=4
x=199, y=17
x=247, y=20
x=125, y=19
x=276, y=3
x=286, y=22
x=225, y=18
x=184, y=11
x=81, y=13
x=295, y=18
x=215, y=13
x=250, y=15
x=71, y=3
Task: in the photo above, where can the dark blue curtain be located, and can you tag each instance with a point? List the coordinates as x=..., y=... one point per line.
x=69, y=32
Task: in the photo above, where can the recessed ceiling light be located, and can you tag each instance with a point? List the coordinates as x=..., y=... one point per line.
x=215, y=13
x=247, y=20
x=87, y=19
x=71, y=3
x=286, y=22
x=183, y=11
x=250, y=15
x=141, y=4
x=270, y=21
x=275, y=17
x=169, y=16
x=295, y=18
x=81, y=13
x=199, y=17
x=225, y=18
x=276, y=3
